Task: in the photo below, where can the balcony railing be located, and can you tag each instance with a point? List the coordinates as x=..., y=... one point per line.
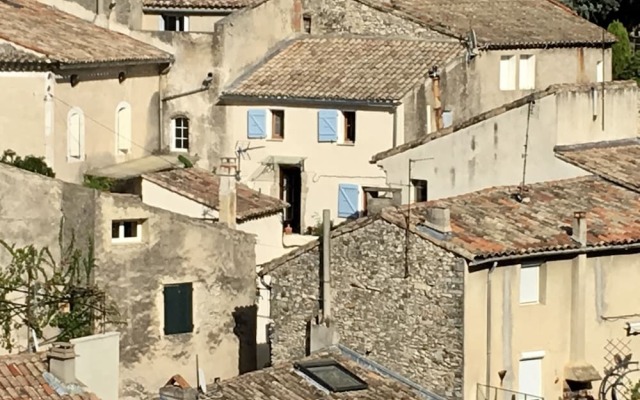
x=485, y=392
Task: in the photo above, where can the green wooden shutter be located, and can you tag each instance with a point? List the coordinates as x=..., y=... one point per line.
x=178, y=308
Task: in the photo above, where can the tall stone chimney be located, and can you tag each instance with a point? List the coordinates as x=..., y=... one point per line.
x=62, y=362
x=579, y=227
x=227, y=191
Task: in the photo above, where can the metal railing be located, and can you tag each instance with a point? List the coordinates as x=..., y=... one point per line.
x=485, y=392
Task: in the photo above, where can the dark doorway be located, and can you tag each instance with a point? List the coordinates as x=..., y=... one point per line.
x=290, y=191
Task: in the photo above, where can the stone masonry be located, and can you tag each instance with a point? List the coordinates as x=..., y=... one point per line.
x=411, y=325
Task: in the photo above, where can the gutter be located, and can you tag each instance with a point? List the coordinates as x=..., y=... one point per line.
x=227, y=99
x=566, y=252
x=62, y=66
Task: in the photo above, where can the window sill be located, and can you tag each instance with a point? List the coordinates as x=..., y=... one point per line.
x=531, y=303
x=348, y=144
x=275, y=140
x=179, y=150
x=126, y=241
x=74, y=160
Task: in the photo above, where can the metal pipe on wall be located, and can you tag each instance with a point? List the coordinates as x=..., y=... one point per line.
x=326, y=267
x=488, y=365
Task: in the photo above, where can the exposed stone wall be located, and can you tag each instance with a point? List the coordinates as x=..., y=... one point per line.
x=413, y=326
x=352, y=16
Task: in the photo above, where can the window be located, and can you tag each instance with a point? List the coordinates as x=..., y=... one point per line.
x=178, y=308
x=419, y=190
x=75, y=134
x=331, y=375
x=349, y=126
x=327, y=125
x=599, y=71
x=123, y=128
x=126, y=231
x=527, y=72
x=529, y=283
x=174, y=23
x=530, y=375
x=277, y=124
x=348, y=200
x=447, y=118
x=180, y=129
x=306, y=21
x=507, y=72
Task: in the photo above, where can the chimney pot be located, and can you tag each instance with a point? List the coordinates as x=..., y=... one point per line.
x=439, y=219
x=379, y=198
x=579, y=227
x=227, y=191
x=62, y=361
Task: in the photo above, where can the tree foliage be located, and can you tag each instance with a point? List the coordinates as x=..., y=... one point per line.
x=594, y=10
x=101, y=183
x=29, y=163
x=621, y=50
x=36, y=293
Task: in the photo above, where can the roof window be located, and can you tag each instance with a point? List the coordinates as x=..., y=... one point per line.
x=331, y=375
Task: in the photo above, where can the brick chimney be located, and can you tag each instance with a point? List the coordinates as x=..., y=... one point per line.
x=227, y=191
x=62, y=362
x=438, y=219
x=579, y=227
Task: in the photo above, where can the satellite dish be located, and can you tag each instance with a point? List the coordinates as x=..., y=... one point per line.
x=472, y=44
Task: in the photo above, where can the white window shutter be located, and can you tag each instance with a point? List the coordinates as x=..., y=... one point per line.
x=507, y=72
x=527, y=73
x=75, y=134
x=123, y=128
x=185, y=23
x=529, y=283
x=161, y=22
x=599, y=71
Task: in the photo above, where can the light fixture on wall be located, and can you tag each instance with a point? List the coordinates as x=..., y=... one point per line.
x=122, y=76
x=73, y=79
x=501, y=375
x=207, y=81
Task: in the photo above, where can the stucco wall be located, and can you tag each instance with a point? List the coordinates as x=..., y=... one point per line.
x=197, y=23
x=98, y=363
x=326, y=164
x=411, y=325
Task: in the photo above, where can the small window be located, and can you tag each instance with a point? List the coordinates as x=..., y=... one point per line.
x=75, y=134
x=306, y=21
x=529, y=283
x=331, y=375
x=178, y=308
x=180, y=129
x=174, y=23
x=527, y=72
x=349, y=126
x=126, y=231
x=419, y=190
x=599, y=71
x=123, y=128
x=277, y=124
x=507, y=72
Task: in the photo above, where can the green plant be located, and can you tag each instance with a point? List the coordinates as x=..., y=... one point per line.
x=29, y=163
x=635, y=392
x=621, y=50
x=185, y=161
x=98, y=182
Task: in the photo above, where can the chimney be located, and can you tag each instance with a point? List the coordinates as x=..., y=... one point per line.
x=439, y=219
x=227, y=192
x=434, y=74
x=579, y=227
x=379, y=198
x=177, y=388
x=62, y=362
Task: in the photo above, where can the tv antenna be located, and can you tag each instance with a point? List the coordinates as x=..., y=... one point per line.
x=243, y=148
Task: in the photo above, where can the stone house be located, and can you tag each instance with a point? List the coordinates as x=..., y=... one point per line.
x=511, y=53
x=184, y=288
x=513, y=142
x=552, y=266
x=52, y=64
x=306, y=122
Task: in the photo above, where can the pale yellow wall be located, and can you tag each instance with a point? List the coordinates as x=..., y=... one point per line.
x=98, y=100
x=197, y=23
x=326, y=164
x=157, y=196
x=519, y=328
x=98, y=363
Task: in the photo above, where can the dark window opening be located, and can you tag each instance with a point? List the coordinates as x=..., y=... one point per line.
x=174, y=23
x=277, y=124
x=349, y=126
x=420, y=190
x=291, y=192
x=331, y=375
x=125, y=229
x=306, y=20
x=178, y=308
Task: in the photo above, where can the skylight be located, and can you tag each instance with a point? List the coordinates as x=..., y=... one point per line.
x=331, y=375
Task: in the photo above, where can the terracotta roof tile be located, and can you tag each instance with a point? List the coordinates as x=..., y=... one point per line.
x=198, y=4
x=60, y=37
x=24, y=379
x=202, y=186
x=617, y=161
x=504, y=23
x=353, y=68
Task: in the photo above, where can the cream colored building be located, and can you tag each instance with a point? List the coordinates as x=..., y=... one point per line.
x=305, y=123
x=82, y=97
x=512, y=142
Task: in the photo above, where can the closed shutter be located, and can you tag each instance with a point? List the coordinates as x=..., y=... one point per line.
x=124, y=128
x=530, y=283
x=327, y=125
x=256, y=124
x=348, y=196
x=178, y=308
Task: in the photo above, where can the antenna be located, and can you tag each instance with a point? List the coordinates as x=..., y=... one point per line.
x=472, y=44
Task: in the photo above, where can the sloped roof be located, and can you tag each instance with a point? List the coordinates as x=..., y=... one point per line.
x=198, y=4
x=26, y=376
x=616, y=161
x=202, y=186
x=504, y=23
x=58, y=37
x=356, y=68
x=492, y=223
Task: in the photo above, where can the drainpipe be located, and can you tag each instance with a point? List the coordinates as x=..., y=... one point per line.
x=161, y=81
x=326, y=267
x=488, y=366
x=395, y=127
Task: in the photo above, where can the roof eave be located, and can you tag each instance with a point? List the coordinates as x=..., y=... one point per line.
x=191, y=10
x=546, y=45
x=232, y=99
x=65, y=66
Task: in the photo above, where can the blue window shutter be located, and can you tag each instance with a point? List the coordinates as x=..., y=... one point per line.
x=327, y=125
x=348, y=195
x=256, y=124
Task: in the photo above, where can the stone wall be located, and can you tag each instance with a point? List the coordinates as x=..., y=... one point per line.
x=411, y=325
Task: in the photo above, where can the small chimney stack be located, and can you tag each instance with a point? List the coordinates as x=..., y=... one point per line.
x=379, y=198
x=579, y=227
x=227, y=191
x=177, y=388
x=438, y=219
x=62, y=362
